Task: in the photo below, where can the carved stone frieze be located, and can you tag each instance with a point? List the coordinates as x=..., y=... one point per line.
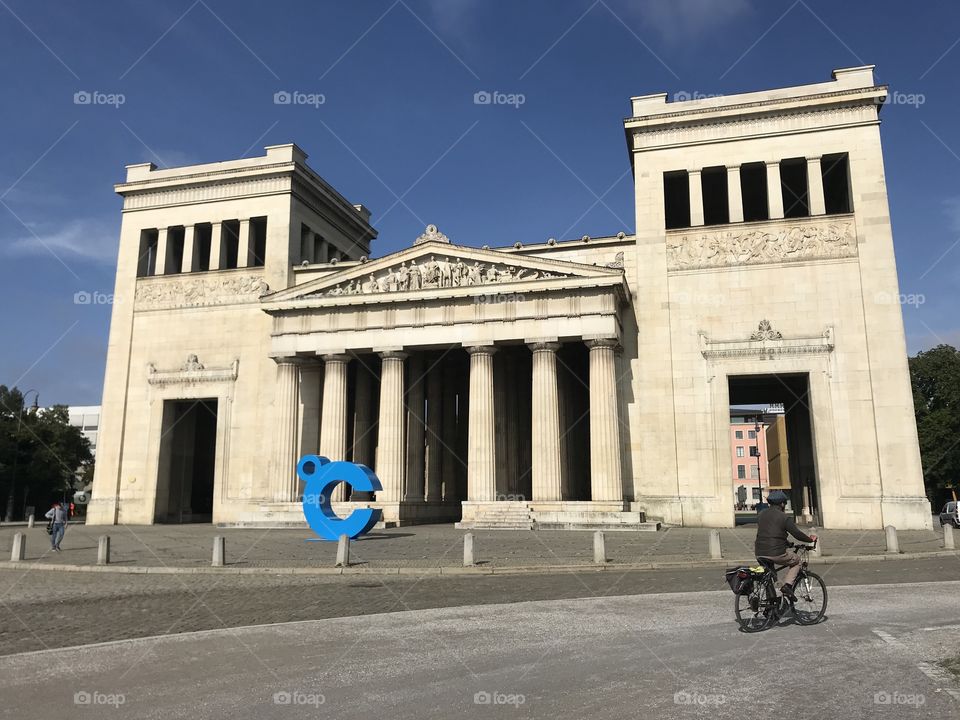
x=767, y=343
x=198, y=290
x=192, y=371
x=437, y=272
x=767, y=244
x=431, y=234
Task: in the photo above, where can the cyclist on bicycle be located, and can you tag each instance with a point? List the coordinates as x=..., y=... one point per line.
x=773, y=524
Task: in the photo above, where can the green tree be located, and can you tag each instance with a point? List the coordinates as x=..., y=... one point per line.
x=935, y=376
x=41, y=454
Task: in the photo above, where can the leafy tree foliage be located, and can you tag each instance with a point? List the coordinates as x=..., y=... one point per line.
x=41, y=454
x=935, y=375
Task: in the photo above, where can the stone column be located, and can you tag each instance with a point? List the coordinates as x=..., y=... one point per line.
x=546, y=423
x=452, y=462
x=481, y=453
x=734, y=194
x=416, y=393
x=190, y=260
x=363, y=424
x=160, y=266
x=500, y=380
x=243, y=246
x=774, y=191
x=391, y=447
x=363, y=420
x=435, y=431
x=216, y=246
x=606, y=483
x=815, y=197
x=696, y=198
x=333, y=414
x=509, y=416
x=286, y=425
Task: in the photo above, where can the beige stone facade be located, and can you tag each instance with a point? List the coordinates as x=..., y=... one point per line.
x=582, y=383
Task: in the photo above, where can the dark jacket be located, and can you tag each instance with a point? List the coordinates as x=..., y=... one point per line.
x=773, y=524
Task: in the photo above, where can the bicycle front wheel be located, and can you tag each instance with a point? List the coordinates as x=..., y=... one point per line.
x=756, y=610
x=811, y=603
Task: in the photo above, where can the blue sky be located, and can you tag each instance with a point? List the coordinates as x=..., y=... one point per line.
x=398, y=120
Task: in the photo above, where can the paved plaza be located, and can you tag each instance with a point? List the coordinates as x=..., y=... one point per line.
x=674, y=655
x=424, y=547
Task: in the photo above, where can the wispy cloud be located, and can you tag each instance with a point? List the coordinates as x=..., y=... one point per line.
x=453, y=16
x=952, y=208
x=680, y=20
x=90, y=240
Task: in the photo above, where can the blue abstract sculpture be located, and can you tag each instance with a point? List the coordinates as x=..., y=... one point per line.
x=321, y=477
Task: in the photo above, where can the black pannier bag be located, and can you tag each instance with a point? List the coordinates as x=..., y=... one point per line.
x=740, y=579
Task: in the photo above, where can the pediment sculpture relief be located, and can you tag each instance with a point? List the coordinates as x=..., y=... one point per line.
x=759, y=246
x=433, y=272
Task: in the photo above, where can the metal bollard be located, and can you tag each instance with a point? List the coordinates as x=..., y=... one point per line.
x=103, y=550
x=343, y=551
x=219, y=551
x=468, y=560
x=715, y=551
x=19, y=550
x=599, y=548
x=948, y=537
x=893, y=545
x=818, y=548
x=30, y=520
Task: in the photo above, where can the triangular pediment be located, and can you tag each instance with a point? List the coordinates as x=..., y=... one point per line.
x=436, y=266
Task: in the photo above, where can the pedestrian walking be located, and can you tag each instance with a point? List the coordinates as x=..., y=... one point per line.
x=57, y=515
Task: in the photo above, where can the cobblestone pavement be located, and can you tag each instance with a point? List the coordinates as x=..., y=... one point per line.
x=42, y=609
x=421, y=546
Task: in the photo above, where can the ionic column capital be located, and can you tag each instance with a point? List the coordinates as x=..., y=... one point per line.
x=289, y=360
x=393, y=355
x=593, y=343
x=336, y=358
x=544, y=346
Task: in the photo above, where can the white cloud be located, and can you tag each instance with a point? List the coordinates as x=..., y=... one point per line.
x=952, y=208
x=678, y=20
x=91, y=240
x=453, y=16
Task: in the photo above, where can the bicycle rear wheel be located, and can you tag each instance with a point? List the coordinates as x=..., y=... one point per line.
x=811, y=603
x=756, y=610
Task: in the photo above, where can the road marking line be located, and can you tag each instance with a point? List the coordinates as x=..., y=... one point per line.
x=887, y=637
x=941, y=677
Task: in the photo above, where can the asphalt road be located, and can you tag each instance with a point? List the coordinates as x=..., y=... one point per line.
x=48, y=609
x=664, y=655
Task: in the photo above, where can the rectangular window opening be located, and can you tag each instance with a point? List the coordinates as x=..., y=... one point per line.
x=174, y=258
x=202, y=240
x=836, y=183
x=716, y=208
x=753, y=190
x=793, y=186
x=258, y=240
x=676, y=199
x=231, y=243
x=147, y=257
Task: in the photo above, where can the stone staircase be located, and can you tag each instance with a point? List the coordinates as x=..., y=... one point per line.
x=501, y=516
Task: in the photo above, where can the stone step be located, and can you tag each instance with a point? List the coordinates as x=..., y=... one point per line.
x=586, y=525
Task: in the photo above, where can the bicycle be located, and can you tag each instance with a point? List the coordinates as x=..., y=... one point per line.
x=758, y=605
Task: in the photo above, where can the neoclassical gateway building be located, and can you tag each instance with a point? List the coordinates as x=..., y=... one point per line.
x=574, y=383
